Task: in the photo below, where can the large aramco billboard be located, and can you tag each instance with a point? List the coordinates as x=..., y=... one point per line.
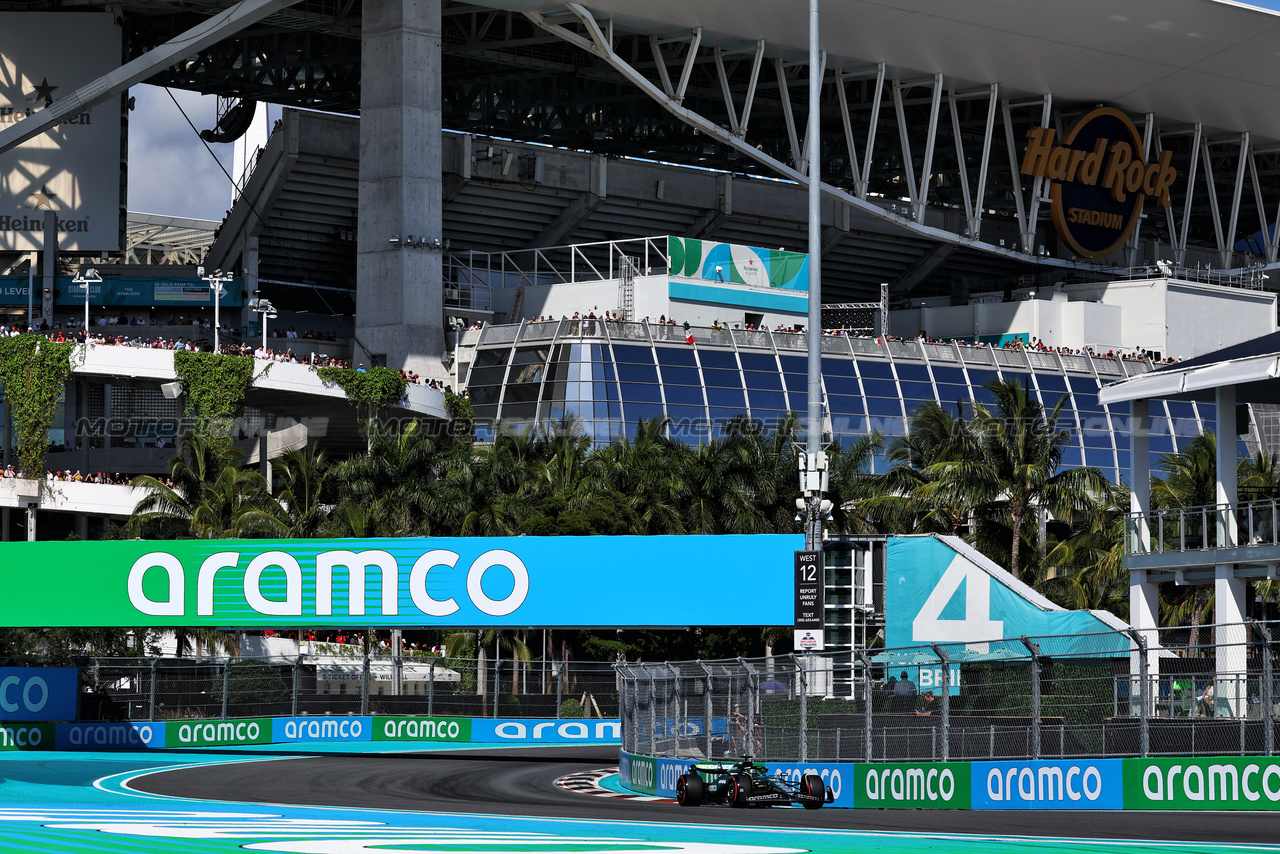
x=74, y=168
x=619, y=582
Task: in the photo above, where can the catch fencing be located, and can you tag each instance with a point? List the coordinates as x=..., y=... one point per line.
x=154, y=689
x=1210, y=690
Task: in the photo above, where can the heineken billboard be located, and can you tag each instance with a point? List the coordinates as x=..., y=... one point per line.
x=443, y=582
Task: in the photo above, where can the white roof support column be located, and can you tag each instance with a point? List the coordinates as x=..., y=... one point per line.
x=1230, y=634
x=1144, y=600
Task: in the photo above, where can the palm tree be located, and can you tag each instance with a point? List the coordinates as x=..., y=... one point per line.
x=210, y=498
x=300, y=478
x=1088, y=565
x=649, y=470
x=1018, y=468
x=1189, y=479
x=850, y=467
x=493, y=493
x=922, y=492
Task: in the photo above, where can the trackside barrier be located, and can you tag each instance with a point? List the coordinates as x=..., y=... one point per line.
x=1200, y=783
x=140, y=735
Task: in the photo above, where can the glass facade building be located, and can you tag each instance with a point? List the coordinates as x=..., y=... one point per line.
x=613, y=375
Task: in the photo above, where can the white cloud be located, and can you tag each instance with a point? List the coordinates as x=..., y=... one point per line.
x=170, y=171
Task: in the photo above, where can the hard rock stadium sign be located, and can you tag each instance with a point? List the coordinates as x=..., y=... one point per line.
x=1099, y=178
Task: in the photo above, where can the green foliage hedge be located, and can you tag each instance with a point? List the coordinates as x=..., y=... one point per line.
x=214, y=387
x=372, y=388
x=35, y=371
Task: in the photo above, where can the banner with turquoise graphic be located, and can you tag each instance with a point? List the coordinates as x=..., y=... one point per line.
x=740, y=265
x=472, y=582
x=539, y=731
x=127, y=291
x=941, y=590
x=124, y=735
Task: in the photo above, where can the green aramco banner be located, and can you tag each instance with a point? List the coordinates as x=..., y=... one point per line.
x=445, y=582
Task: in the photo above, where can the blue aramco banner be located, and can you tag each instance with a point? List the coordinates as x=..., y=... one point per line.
x=38, y=693
x=1064, y=784
x=619, y=582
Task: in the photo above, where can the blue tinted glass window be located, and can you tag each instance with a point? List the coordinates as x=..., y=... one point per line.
x=794, y=364
x=1124, y=457
x=1052, y=382
x=718, y=359
x=1088, y=384
x=889, y=426
x=879, y=370
x=681, y=376
x=1070, y=458
x=1161, y=444
x=1183, y=420
x=1051, y=399
x=980, y=377
x=884, y=406
x=880, y=388
x=797, y=401
x=1208, y=415
x=910, y=371
x=758, y=362
x=642, y=410
x=630, y=373
x=848, y=425
x=797, y=382
x=762, y=399
x=1099, y=458
x=953, y=392
x=722, y=379
x=847, y=405
x=984, y=396
x=683, y=394
x=678, y=356
x=641, y=393
x=918, y=391
x=838, y=368
x=727, y=397
x=627, y=353
x=943, y=374
x=606, y=370
x=771, y=381
x=842, y=385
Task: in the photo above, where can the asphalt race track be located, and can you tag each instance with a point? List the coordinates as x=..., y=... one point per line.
x=520, y=782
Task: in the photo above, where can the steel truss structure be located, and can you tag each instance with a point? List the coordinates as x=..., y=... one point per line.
x=934, y=153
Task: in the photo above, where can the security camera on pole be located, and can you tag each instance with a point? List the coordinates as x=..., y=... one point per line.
x=217, y=283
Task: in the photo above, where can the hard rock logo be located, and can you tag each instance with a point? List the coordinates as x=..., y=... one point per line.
x=1099, y=179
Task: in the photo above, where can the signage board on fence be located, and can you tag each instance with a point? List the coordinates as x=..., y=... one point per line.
x=913, y=785
x=1202, y=783
x=436, y=582
x=38, y=693
x=26, y=736
x=541, y=731
x=809, y=603
x=941, y=590
x=124, y=735
x=1049, y=785
x=409, y=728
x=328, y=729
x=221, y=733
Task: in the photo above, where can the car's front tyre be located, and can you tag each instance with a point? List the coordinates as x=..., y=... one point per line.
x=739, y=790
x=813, y=786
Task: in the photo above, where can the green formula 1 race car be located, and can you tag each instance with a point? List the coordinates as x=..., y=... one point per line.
x=747, y=784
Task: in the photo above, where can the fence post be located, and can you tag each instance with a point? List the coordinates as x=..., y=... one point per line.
x=946, y=701
x=706, y=708
x=431, y=688
x=1144, y=725
x=1034, y=649
x=653, y=714
x=297, y=666
x=226, y=685
x=1268, y=725
x=865, y=657
x=677, y=729
x=364, y=685
x=803, y=682
x=497, y=670
x=559, y=688
x=155, y=668
x=753, y=700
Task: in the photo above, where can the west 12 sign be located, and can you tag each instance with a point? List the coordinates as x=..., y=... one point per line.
x=1098, y=179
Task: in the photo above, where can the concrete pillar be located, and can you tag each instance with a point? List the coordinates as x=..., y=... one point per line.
x=398, y=300
x=1227, y=479
x=106, y=436
x=82, y=525
x=31, y=522
x=1230, y=633
x=1144, y=599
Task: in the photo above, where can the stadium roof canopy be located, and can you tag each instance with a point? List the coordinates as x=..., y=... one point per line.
x=1193, y=60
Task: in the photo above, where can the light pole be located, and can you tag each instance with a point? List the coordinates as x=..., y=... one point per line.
x=266, y=309
x=85, y=279
x=216, y=282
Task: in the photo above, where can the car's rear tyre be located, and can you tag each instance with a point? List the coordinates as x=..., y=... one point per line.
x=812, y=785
x=689, y=790
x=739, y=790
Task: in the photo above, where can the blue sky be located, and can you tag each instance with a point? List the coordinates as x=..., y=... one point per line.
x=170, y=171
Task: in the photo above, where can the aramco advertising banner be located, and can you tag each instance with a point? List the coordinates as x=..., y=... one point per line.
x=738, y=265
x=620, y=582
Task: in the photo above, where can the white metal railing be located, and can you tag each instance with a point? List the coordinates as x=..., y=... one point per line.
x=552, y=265
x=1192, y=529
